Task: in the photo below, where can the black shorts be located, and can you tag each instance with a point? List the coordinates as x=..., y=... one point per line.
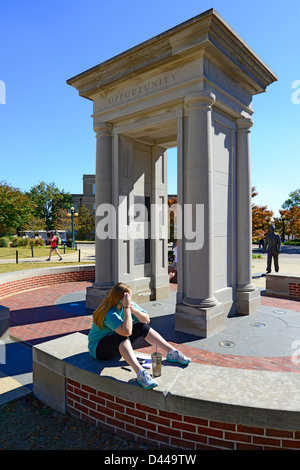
x=108, y=346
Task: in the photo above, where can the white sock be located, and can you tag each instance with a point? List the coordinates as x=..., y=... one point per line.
x=173, y=350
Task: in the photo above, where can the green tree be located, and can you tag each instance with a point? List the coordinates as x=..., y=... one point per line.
x=63, y=222
x=34, y=223
x=15, y=209
x=84, y=223
x=293, y=200
x=48, y=201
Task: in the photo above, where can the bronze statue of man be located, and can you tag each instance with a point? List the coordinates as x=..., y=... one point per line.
x=272, y=246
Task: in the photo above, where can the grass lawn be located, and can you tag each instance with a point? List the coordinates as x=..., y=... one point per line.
x=25, y=251
x=38, y=252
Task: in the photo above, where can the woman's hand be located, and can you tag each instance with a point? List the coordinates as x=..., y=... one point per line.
x=126, y=300
x=125, y=329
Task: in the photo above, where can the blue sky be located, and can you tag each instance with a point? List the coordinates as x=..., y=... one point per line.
x=45, y=127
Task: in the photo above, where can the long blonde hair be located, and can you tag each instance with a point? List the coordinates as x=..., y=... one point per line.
x=114, y=296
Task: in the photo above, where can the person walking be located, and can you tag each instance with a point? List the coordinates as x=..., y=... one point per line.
x=53, y=247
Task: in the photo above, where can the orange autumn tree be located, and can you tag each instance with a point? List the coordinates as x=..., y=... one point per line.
x=172, y=203
x=291, y=218
x=261, y=219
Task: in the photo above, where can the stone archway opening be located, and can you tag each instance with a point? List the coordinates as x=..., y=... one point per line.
x=143, y=189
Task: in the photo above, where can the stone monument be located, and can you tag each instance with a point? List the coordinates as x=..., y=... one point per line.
x=191, y=87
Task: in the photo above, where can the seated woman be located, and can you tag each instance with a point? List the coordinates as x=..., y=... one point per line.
x=117, y=323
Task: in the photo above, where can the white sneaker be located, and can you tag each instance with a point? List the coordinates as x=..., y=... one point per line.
x=145, y=380
x=177, y=356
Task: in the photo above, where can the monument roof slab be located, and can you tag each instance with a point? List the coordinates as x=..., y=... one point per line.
x=205, y=34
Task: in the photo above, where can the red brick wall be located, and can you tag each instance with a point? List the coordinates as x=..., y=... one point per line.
x=170, y=430
x=294, y=289
x=12, y=287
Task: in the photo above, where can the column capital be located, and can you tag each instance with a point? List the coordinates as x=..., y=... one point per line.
x=102, y=128
x=244, y=124
x=199, y=99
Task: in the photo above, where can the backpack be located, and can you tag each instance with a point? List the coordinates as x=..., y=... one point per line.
x=58, y=240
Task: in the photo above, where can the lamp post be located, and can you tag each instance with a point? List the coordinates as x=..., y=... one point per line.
x=73, y=214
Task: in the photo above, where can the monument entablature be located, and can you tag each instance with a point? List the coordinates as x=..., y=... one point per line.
x=190, y=87
x=202, y=49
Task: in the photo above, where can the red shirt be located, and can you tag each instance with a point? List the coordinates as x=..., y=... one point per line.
x=53, y=242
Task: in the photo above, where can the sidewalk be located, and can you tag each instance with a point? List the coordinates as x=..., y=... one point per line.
x=262, y=341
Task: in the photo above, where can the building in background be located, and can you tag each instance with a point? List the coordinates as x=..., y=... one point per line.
x=87, y=198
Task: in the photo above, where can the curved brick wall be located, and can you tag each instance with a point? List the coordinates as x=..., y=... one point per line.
x=12, y=283
x=172, y=430
x=178, y=414
x=286, y=285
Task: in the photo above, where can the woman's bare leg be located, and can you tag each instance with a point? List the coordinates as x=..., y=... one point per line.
x=155, y=339
x=129, y=356
x=57, y=252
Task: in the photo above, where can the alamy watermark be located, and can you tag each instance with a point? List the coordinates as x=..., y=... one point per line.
x=133, y=222
x=296, y=93
x=2, y=352
x=2, y=92
x=296, y=353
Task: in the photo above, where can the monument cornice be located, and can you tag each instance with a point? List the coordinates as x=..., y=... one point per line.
x=205, y=33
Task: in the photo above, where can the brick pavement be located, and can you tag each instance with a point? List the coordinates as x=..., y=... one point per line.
x=35, y=318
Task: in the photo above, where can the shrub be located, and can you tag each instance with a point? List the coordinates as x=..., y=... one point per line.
x=15, y=242
x=19, y=241
x=295, y=242
x=4, y=242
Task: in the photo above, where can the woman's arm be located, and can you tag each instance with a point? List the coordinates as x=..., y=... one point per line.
x=142, y=317
x=126, y=328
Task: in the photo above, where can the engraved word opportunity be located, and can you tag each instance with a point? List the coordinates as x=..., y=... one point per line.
x=144, y=88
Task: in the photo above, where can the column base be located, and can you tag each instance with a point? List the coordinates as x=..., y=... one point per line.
x=248, y=302
x=200, y=303
x=160, y=287
x=161, y=292
x=202, y=322
x=95, y=295
x=246, y=287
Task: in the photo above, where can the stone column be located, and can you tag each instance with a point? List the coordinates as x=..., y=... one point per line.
x=103, y=195
x=246, y=291
x=199, y=190
x=199, y=313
